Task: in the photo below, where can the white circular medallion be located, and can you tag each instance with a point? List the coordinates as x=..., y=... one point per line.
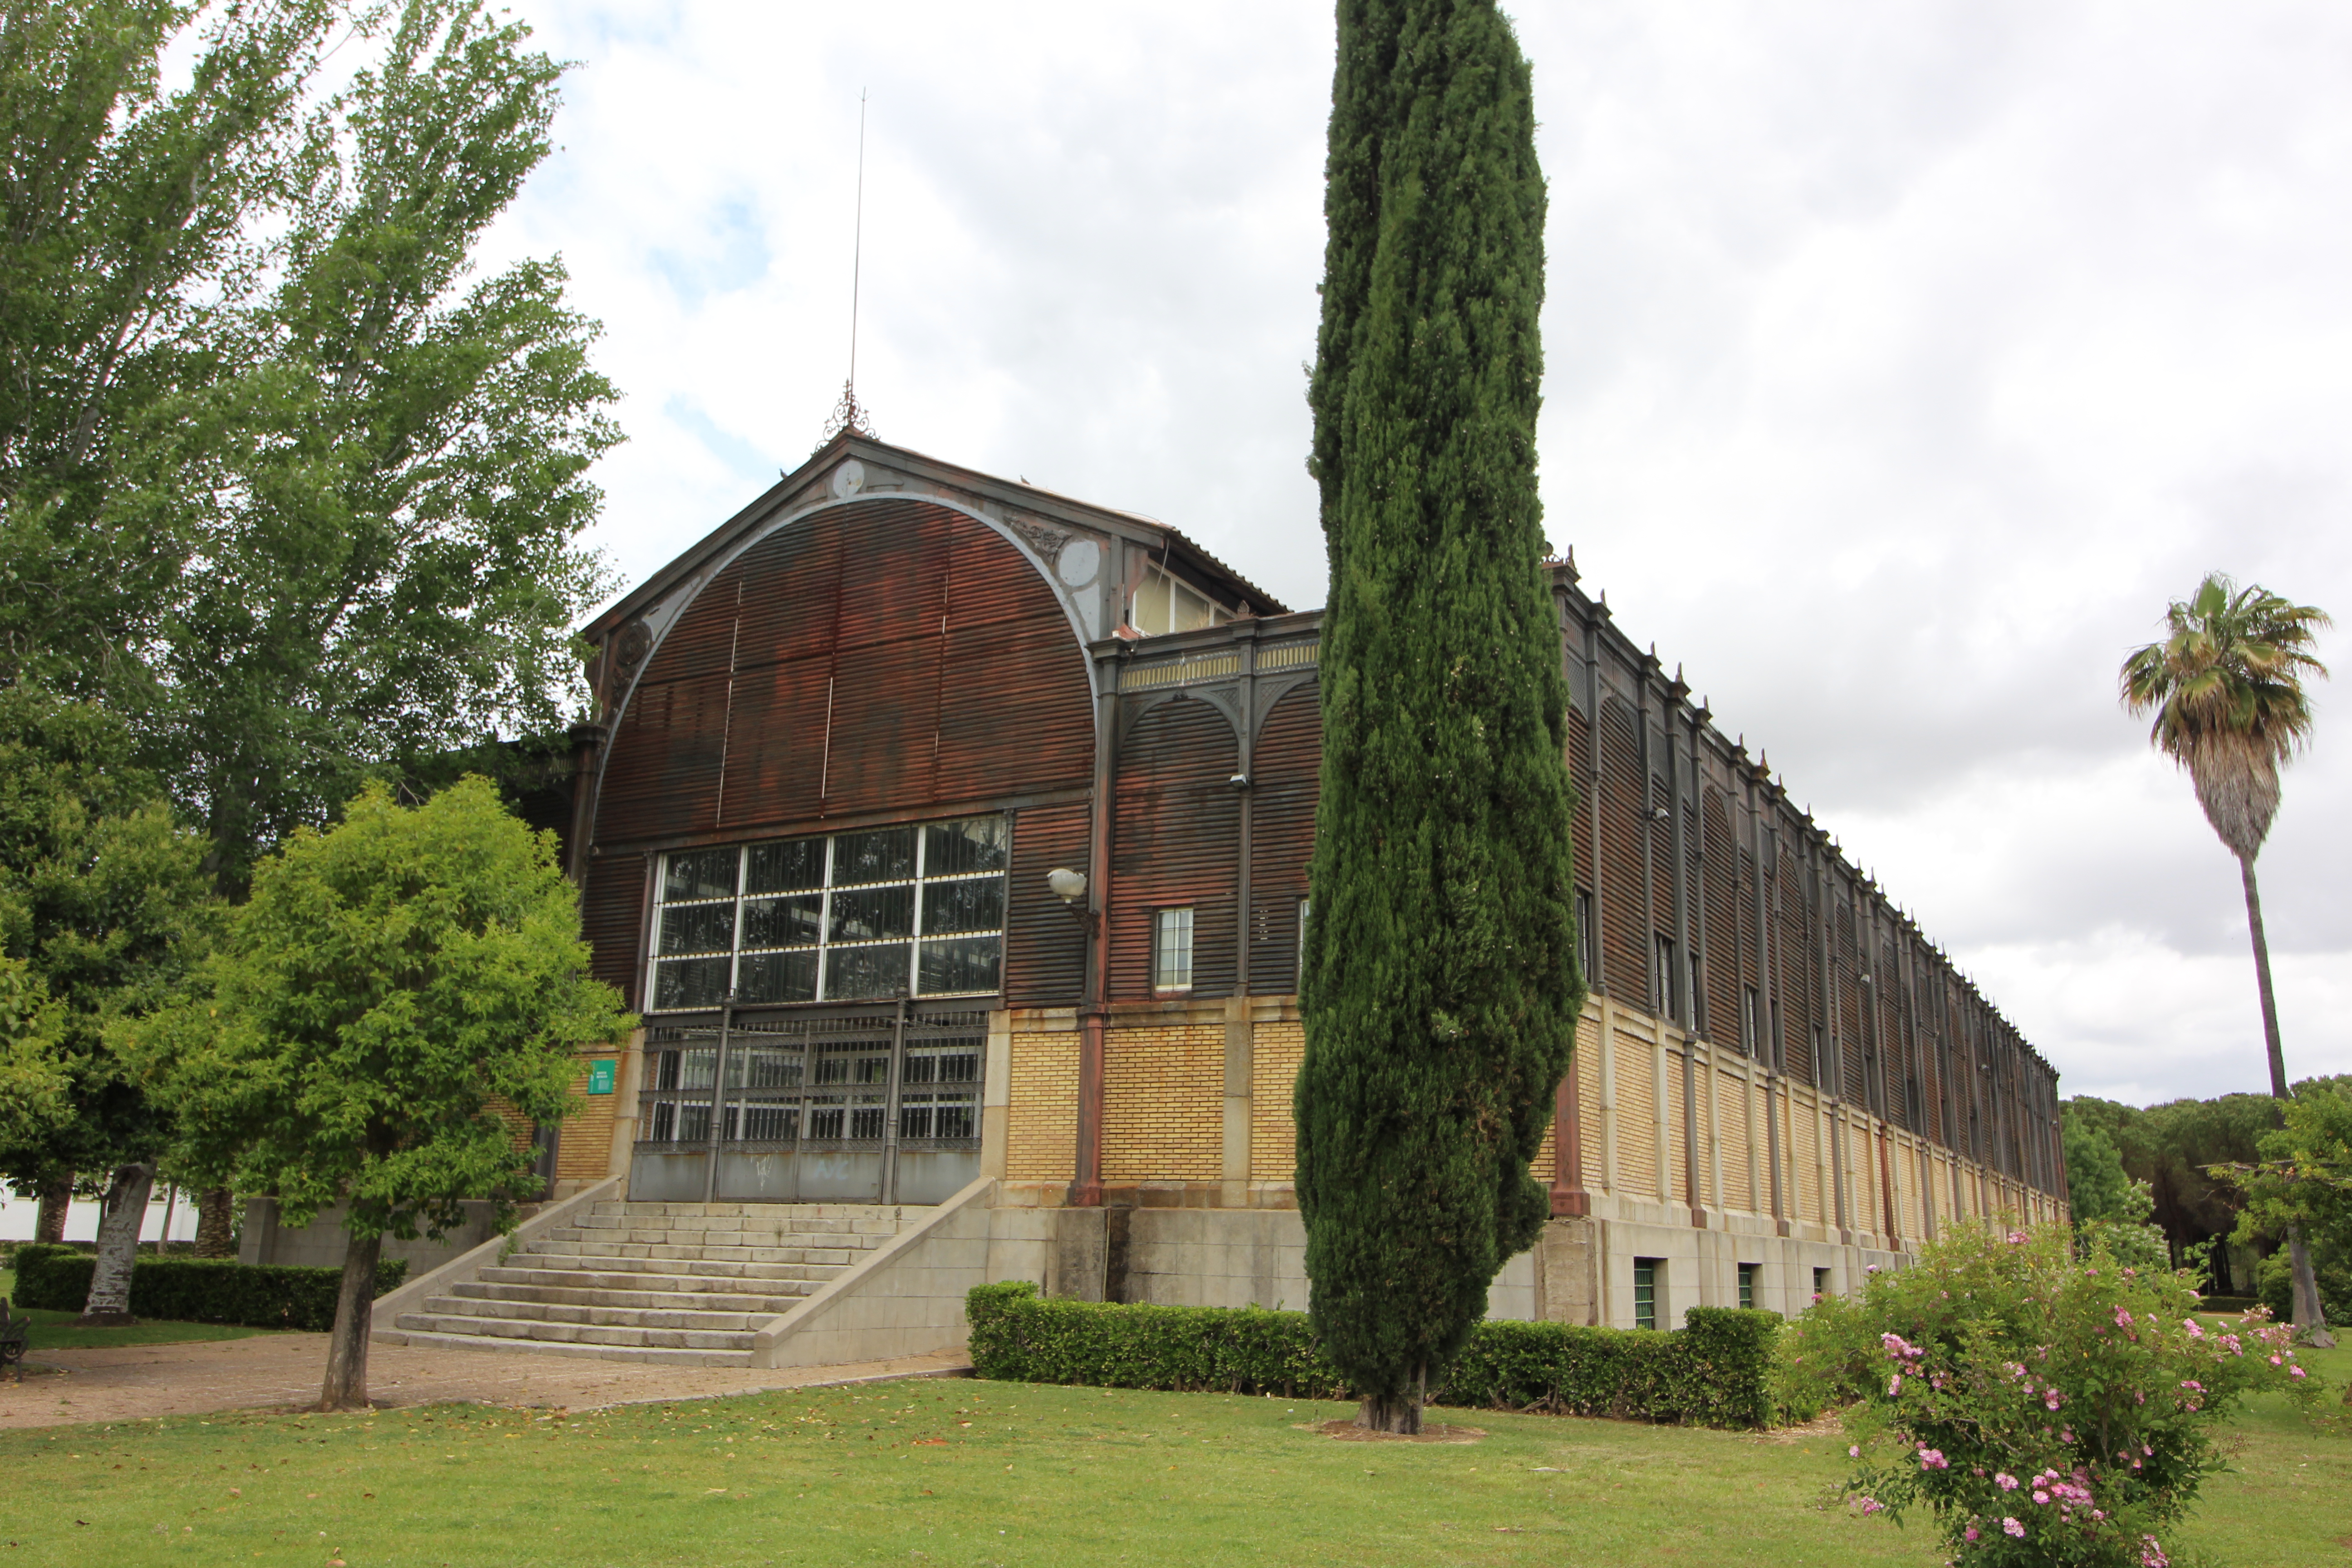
x=1080, y=560
x=848, y=479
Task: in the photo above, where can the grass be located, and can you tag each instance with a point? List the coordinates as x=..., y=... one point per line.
x=981, y=1473
x=54, y=1330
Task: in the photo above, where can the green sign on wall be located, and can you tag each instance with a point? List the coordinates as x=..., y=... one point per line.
x=600, y=1076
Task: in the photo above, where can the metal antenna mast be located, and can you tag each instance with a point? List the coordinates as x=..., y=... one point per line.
x=847, y=415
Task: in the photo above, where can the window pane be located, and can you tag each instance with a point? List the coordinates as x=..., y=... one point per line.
x=1172, y=966
x=952, y=849
x=778, y=977
x=785, y=868
x=877, y=856
x=704, y=874
x=865, y=1120
x=690, y=983
x=866, y=974
x=873, y=913
x=824, y=1116
x=771, y=1068
x=770, y=1122
x=782, y=922
x=694, y=1122
x=977, y=904
x=697, y=928
x=954, y=1118
x=961, y=963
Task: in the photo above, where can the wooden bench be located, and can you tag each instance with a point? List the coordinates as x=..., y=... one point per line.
x=16, y=1337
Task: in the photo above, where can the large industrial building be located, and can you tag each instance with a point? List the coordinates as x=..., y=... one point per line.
x=951, y=837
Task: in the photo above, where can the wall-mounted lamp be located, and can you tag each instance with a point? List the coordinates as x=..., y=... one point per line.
x=1239, y=780
x=1659, y=814
x=1067, y=885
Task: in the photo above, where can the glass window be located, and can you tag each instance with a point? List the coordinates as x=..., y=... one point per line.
x=862, y=916
x=1645, y=1292
x=1747, y=1285
x=1821, y=1284
x=1171, y=955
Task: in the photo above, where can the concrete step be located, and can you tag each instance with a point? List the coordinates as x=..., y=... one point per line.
x=546, y=1333
x=716, y=1321
x=660, y=1357
x=672, y=1284
x=640, y=1301
x=829, y=1250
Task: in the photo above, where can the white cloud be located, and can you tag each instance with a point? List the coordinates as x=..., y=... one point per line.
x=1903, y=360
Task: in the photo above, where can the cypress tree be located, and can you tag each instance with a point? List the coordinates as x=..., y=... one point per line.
x=1441, y=991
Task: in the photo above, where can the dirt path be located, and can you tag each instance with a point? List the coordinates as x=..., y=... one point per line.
x=135, y=1382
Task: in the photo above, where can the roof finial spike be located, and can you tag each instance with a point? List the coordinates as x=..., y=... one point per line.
x=848, y=413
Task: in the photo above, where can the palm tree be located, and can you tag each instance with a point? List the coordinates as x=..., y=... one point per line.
x=2227, y=690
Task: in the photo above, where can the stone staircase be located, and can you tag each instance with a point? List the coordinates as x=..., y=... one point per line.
x=685, y=1284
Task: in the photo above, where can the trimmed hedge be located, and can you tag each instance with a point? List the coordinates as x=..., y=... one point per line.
x=196, y=1289
x=1717, y=1372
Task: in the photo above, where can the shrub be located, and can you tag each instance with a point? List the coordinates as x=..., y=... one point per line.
x=1717, y=1372
x=196, y=1289
x=2048, y=1409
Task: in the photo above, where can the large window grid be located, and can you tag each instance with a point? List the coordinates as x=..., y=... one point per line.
x=870, y=915
x=887, y=1081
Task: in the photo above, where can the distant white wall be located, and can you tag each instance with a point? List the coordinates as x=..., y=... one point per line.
x=18, y=1216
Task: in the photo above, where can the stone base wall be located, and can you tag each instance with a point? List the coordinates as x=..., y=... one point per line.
x=322, y=1242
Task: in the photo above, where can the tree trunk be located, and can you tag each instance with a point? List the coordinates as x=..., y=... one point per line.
x=215, y=1217
x=118, y=1246
x=56, y=1201
x=347, y=1350
x=1399, y=1413
x=2309, y=1317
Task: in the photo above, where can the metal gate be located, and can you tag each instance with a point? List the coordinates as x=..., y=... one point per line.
x=871, y=1106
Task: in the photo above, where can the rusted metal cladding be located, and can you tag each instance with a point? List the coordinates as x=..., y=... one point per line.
x=891, y=656
x=1175, y=844
x=1625, y=917
x=1720, y=879
x=1044, y=939
x=1578, y=752
x=1846, y=1006
x=611, y=917
x=1792, y=948
x=1285, y=772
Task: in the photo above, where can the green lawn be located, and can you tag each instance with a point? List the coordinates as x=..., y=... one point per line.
x=981, y=1473
x=56, y=1330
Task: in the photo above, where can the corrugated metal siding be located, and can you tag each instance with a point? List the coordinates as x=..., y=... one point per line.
x=1175, y=837
x=892, y=655
x=612, y=913
x=1285, y=782
x=1792, y=945
x=1624, y=918
x=1044, y=939
x=1720, y=864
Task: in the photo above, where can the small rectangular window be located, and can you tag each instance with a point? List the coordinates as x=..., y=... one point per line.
x=1645, y=1292
x=1751, y=1019
x=1662, y=980
x=1747, y=1285
x=1171, y=955
x=1300, y=983
x=1821, y=1284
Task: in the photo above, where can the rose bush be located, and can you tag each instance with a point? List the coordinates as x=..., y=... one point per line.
x=2049, y=1409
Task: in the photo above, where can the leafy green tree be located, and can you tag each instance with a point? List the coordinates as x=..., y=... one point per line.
x=2303, y=1182
x=33, y=1082
x=2096, y=1187
x=280, y=477
x=103, y=897
x=1441, y=990
x=391, y=986
x=2226, y=686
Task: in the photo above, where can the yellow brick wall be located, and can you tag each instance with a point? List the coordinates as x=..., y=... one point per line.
x=1637, y=1119
x=1731, y=1112
x=1588, y=1096
x=1274, y=1054
x=583, y=1152
x=1042, y=1105
x=1164, y=1103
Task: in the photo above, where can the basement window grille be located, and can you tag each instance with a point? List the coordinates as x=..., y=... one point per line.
x=1645, y=1292
x=849, y=917
x=1747, y=1285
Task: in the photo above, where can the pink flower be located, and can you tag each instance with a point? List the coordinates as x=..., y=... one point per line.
x=2004, y=1480
x=2065, y=1434
x=1854, y=1451
x=1933, y=1458
x=1971, y=1533
x=2152, y=1555
x=2275, y=1361
x=2194, y=1332
x=2050, y=1398
x=2294, y=1372
x=2014, y=1528
x=1871, y=1505
x=2041, y=1496
x=2122, y=1319
x=1895, y=1386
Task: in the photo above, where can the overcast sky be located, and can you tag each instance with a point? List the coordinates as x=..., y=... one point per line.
x=1903, y=360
